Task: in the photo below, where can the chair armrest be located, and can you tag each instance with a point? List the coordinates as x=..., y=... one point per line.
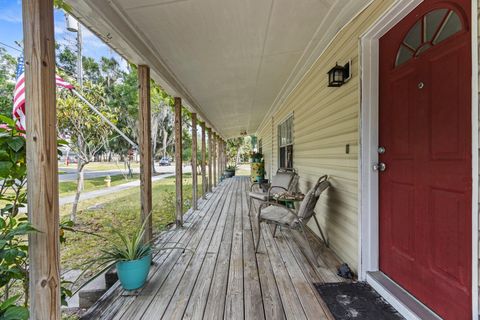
x=271, y=187
x=253, y=184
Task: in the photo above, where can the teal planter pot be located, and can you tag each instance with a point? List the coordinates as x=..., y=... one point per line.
x=133, y=274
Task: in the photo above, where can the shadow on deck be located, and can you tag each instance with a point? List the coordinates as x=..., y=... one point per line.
x=223, y=277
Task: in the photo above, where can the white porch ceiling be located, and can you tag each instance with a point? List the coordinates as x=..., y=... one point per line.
x=232, y=61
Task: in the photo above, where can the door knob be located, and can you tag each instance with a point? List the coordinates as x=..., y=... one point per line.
x=380, y=167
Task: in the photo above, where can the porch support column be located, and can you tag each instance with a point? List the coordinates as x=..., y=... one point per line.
x=220, y=156
x=224, y=155
x=178, y=163
x=42, y=166
x=194, y=162
x=145, y=141
x=209, y=132
x=204, y=160
x=214, y=160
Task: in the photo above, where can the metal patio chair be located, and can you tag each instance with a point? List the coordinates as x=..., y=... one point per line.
x=279, y=215
x=284, y=180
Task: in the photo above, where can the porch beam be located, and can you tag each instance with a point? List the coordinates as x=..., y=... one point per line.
x=145, y=141
x=42, y=166
x=194, y=162
x=178, y=163
x=209, y=133
x=204, y=160
x=214, y=158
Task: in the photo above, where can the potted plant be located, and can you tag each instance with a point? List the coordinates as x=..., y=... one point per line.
x=130, y=254
x=230, y=171
x=260, y=173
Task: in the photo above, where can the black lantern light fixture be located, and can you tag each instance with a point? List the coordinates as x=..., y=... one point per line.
x=338, y=75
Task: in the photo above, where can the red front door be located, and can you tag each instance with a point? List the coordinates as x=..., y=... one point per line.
x=425, y=128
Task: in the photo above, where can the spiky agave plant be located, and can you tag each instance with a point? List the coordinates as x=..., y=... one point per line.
x=129, y=248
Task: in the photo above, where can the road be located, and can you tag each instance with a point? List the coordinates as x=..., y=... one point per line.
x=71, y=173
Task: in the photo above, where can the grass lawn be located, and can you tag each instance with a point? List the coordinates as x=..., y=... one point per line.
x=243, y=170
x=100, y=166
x=122, y=210
x=70, y=187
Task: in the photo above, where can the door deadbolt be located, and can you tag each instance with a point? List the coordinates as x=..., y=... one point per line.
x=381, y=150
x=421, y=85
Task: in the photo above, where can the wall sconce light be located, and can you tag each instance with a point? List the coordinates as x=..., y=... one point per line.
x=338, y=75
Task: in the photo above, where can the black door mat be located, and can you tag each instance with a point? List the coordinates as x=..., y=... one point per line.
x=357, y=301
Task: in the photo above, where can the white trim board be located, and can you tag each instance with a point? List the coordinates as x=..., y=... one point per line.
x=401, y=300
x=368, y=182
x=369, y=57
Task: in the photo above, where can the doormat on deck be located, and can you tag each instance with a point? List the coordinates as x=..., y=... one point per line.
x=357, y=301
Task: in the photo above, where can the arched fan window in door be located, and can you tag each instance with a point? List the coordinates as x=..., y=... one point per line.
x=433, y=28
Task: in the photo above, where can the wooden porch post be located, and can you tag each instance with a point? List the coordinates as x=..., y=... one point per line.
x=194, y=162
x=214, y=158
x=220, y=156
x=224, y=156
x=42, y=166
x=145, y=141
x=204, y=159
x=209, y=133
x=178, y=162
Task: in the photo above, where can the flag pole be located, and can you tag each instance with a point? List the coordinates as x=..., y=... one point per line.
x=92, y=107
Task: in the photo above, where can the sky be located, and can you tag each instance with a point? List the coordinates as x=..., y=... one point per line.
x=11, y=31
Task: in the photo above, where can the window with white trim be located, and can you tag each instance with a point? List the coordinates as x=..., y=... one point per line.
x=285, y=143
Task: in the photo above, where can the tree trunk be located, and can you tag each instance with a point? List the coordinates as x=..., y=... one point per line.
x=129, y=168
x=154, y=151
x=164, y=144
x=237, y=158
x=80, y=180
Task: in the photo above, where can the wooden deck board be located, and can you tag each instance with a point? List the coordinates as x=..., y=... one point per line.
x=234, y=306
x=223, y=278
x=254, y=308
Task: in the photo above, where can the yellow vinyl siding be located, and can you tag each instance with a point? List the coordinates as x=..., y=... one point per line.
x=325, y=121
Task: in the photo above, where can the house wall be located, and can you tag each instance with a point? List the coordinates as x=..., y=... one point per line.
x=325, y=121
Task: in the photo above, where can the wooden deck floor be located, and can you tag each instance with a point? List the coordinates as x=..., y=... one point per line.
x=223, y=277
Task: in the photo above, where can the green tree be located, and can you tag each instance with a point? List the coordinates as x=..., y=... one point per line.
x=234, y=150
x=67, y=61
x=91, y=70
x=7, y=82
x=122, y=98
x=86, y=132
x=111, y=72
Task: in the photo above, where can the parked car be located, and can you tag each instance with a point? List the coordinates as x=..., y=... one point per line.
x=164, y=161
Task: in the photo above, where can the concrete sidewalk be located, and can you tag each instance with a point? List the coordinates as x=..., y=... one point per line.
x=98, y=193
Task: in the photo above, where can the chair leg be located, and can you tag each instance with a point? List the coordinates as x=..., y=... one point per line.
x=321, y=231
x=259, y=234
x=304, y=233
x=275, y=230
x=249, y=206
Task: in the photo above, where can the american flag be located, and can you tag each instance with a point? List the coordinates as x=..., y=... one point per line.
x=19, y=94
